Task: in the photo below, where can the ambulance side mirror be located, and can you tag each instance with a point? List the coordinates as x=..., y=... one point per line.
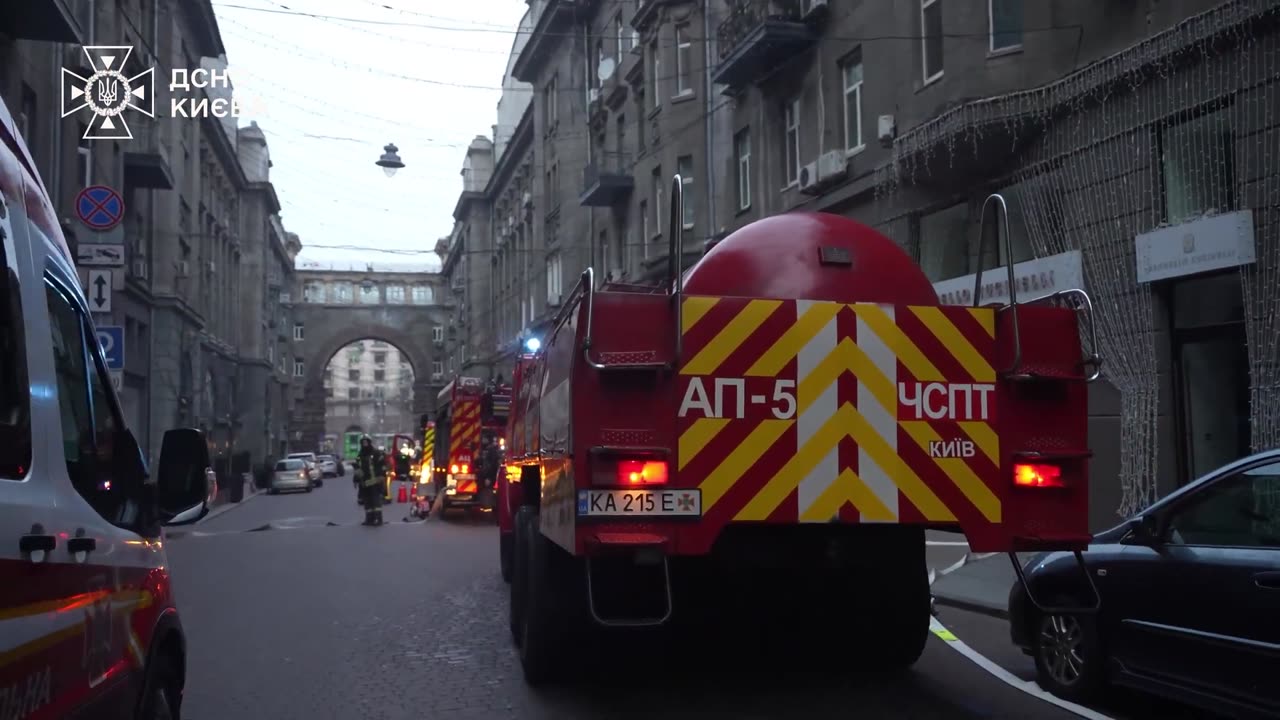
x=185, y=482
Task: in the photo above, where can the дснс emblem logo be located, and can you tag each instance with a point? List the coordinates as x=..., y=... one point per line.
x=109, y=92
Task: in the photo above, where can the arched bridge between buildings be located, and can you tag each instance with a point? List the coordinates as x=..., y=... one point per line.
x=333, y=312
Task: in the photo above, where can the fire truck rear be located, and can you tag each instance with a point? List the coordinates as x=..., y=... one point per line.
x=781, y=426
x=467, y=409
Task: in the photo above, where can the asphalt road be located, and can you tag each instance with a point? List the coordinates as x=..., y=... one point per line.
x=294, y=610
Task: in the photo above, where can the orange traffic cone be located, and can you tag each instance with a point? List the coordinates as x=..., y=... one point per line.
x=402, y=496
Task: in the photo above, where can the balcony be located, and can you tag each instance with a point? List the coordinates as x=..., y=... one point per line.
x=146, y=159
x=758, y=36
x=46, y=20
x=607, y=181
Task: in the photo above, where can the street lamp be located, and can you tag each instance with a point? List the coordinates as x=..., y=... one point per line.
x=390, y=160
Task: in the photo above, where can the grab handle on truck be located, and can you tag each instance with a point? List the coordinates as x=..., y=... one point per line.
x=675, y=258
x=1003, y=219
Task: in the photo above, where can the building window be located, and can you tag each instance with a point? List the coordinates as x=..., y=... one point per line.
x=422, y=295
x=297, y=367
x=369, y=294
x=553, y=279
x=1006, y=24
x=655, y=67
x=791, y=141
x=931, y=38
x=742, y=151
x=380, y=357
x=657, y=201
x=395, y=295
x=1197, y=166
x=437, y=333
x=313, y=292
x=684, y=166
x=684, y=57
x=353, y=375
x=353, y=393
x=298, y=332
x=550, y=100
x=342, y=293
x=944, y=243
x=84, y=159
x=852, y=73
x=379, y=375
x=644, y=228
x=619, y=36
x=437, y=369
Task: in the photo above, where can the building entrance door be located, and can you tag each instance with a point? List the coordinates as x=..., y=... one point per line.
x=1210, y=354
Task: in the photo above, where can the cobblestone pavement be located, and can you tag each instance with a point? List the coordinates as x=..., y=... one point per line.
x=293, y=610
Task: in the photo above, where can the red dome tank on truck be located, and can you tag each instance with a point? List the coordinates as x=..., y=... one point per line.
x=782, y=424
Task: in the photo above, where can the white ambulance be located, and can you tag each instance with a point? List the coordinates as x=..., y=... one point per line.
x=88, y=623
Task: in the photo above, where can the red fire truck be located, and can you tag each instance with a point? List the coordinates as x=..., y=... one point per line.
x=779, y=425
x=466, y=409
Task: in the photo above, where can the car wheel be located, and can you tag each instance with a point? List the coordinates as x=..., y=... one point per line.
x=159, y=695
x=1069, y=659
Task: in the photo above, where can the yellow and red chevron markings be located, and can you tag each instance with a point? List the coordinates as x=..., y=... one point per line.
x=809, y=411
x=464, y=430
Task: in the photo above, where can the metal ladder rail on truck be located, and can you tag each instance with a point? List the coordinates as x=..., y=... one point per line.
x=816, y=410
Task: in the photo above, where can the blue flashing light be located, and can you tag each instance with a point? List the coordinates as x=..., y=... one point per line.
x=532, y=344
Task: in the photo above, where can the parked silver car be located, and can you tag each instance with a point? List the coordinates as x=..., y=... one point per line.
x=291, y=474
x=313, y=466
x=328, y=465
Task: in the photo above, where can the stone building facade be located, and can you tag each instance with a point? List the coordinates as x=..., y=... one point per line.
x=200, y=231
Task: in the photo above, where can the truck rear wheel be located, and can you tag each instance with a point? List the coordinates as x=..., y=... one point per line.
x=897, y=613
x=505, y=540
x=519, y=572
x=552, y=613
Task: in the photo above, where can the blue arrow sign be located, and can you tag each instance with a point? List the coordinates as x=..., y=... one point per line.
x=111, y=337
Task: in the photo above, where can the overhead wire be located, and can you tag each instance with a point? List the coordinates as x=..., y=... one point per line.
x=284, y=10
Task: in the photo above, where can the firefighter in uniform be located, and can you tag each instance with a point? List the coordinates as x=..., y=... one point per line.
x=371, y=471
x=490, y=465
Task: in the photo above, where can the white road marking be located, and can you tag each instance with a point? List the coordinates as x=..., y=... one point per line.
x=1026, y=686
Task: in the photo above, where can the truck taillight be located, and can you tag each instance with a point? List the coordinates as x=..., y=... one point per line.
x=1036, y=475
x=465, y=468
x=454, y=469
x=642, y=472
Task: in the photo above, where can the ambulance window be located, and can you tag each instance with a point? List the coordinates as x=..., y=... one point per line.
x=87, y=436
x=73, y=391
x=15, y=391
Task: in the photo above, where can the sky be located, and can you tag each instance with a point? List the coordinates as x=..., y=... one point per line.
x=330, y=93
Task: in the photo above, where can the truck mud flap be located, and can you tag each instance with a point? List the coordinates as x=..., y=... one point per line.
x=1052, y=610
x=630, y=622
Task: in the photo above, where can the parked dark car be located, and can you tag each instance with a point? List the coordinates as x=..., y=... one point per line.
x=1190, y=599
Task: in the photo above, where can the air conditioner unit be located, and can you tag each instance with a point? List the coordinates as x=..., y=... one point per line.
x=809, y=177
x=832, y=166
x=183, y=269
x=140, y=269
x=887, y=130
x=553, y=299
